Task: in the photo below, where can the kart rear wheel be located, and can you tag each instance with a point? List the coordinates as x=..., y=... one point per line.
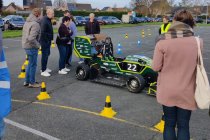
x=135, y=83
x=82, y=72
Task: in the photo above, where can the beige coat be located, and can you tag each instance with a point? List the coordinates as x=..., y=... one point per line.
x=175, y=60
x=31, y=33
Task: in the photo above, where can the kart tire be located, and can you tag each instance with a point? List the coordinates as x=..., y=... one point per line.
x=150, y=78
x=135, y=83
x=82, y=72
x=93, y=73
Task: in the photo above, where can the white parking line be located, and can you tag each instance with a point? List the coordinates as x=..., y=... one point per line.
x=36, y=132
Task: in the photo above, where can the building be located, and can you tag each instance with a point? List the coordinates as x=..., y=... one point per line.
x=107, y=9
x=79, y=7
x=29, y=4
x=121, y=9
x=12, y=8
x=158, y=7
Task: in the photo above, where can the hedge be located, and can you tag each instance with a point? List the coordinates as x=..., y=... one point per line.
x=81, y=13
x=86, y=13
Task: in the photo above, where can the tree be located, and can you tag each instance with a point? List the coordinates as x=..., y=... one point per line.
x=186, y=3
x=146, y=3
x=36, y=3
x=71, y=1
x=171, y=2
x=1, y=5
x=60, y=4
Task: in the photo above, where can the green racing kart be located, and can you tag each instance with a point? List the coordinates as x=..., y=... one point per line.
x=100, y=65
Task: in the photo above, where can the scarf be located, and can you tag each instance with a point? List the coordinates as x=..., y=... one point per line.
x=177, y=30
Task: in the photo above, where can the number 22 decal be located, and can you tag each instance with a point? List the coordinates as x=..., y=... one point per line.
x=132, y=67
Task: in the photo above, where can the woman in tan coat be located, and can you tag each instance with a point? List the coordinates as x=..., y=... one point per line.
x=175, y=59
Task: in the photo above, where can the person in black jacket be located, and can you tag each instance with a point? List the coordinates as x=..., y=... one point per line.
x=45, y=40
x=92, y=26
x=63, y=42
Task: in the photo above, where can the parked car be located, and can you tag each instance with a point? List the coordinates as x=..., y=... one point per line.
x=7, y=18
x=15, y=22
x=80, y=21
x=171, y=19
x=198, y=20
x=142, y=19
x=208, y=21
x=158, y=20
x=106, y=19
x=133, y=20
x=87, y=18
x=100, y=21
x=115, y=20
x=148, y=19
x=2, y=24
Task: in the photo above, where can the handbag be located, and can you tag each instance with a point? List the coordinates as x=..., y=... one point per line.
x=202, y=91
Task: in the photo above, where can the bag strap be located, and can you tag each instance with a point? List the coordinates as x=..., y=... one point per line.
x=200, y=58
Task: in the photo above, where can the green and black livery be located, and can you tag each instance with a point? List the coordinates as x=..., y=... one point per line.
x=133, y=71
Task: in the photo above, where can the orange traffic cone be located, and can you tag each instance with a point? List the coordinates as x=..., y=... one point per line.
x=108, y=111
x=52, y=44
x=160, y=126
x=22, y=73
x=43, y=94
x=40, y=51
x=26, y=61
x=126, y=35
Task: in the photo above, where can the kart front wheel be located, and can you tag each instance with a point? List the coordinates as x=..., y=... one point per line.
x=82, y=72
x=135, y=83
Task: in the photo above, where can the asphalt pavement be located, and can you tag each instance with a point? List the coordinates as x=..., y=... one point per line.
x=72, y=113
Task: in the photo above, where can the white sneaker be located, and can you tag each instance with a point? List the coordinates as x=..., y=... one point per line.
x=45, y=73
x=48, y=70
x=62, y=71
x=66, y=69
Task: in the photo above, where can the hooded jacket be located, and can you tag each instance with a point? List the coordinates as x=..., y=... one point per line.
x=31, y=33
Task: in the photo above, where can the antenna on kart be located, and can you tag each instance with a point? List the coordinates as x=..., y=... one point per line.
x=119, y=49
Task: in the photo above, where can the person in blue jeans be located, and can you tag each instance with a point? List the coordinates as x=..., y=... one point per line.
x=30, y=42
x=176, y=85
x=176, y=116
x=73, y=28
x=63, y=42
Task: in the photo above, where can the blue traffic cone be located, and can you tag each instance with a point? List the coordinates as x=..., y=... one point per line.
x=139, y=43
x=119, y=49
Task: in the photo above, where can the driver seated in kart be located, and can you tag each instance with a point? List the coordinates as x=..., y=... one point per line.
x=103, y=46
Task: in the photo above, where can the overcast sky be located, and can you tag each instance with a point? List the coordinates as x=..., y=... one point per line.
x=95, y=3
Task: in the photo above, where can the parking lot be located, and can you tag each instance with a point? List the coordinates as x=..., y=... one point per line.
x=72, y=113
